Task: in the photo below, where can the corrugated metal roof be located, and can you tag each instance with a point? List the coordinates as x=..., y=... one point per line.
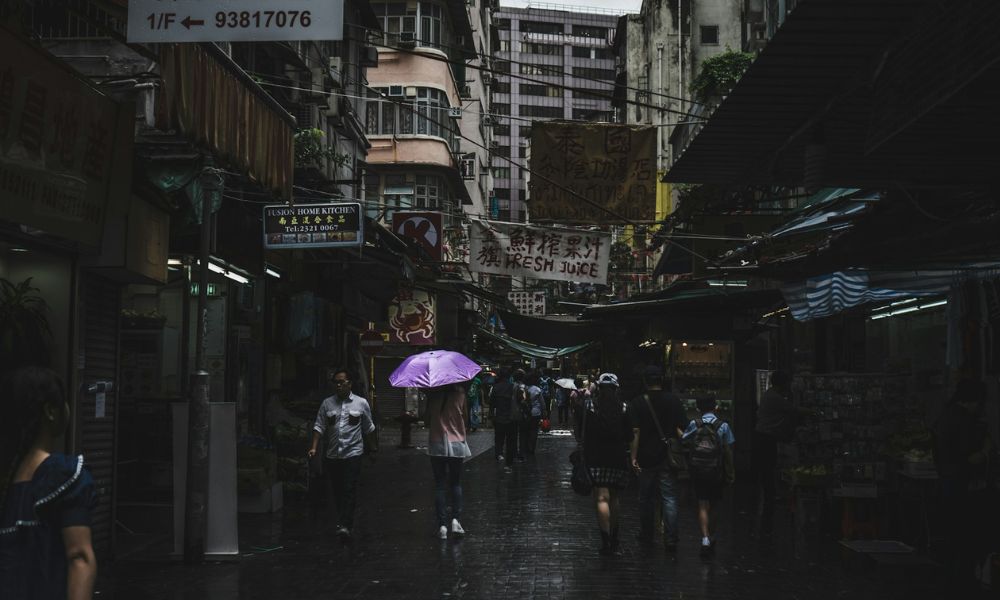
x=825, y=79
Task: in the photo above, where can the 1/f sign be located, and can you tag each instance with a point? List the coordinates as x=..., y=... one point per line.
x=234, y=20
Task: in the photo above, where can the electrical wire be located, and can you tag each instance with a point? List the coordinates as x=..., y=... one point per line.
x=488, y=57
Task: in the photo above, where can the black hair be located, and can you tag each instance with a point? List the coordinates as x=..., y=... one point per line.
x=707, y=404
x=29, y=391
x=339, y=371
x=519, y=375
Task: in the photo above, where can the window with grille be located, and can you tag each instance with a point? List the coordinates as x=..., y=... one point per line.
x=550, y=112
x=590, y=31
x=541, y=27
x=710, y=35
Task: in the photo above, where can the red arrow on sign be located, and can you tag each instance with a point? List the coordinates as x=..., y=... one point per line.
x=188, y=22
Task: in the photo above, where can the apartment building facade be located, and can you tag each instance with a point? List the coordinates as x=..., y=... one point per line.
x=553, y=63
x=428, y=147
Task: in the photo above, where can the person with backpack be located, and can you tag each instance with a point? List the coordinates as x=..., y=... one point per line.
x=710, y=442
x=506, y=416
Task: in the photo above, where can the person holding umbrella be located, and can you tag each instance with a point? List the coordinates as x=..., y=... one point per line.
x=445, y=375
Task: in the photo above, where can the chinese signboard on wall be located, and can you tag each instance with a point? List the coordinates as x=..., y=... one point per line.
x=58, y=139
x=313, y=226
x=539, y=252
x=528, y=303
x=424, y=227
x=412, y=318
x=613, y=166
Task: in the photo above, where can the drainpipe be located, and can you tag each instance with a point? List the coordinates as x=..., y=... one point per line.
x=680, y=56
x=659, y=117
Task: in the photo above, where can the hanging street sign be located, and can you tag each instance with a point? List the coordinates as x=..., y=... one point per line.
x=335, y=225
x=372, y=342
x=234, y=20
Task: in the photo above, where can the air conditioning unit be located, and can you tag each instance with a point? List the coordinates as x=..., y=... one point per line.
x=411, y=91
x=396, y=90
x=465, y=91
x=318, y=77
x=455, y=113
x=489, y=79
x=368, y=56
x=337, y=71
x=407, y=39
x=333, y=109
x=487, y=121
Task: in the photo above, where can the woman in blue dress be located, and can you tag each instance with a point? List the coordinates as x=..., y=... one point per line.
x=45, y=541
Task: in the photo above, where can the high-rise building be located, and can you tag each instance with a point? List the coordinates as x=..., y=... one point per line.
x=554, y=62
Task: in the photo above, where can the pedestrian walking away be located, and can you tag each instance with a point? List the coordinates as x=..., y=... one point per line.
x=448, y=448
x=345, y=419
x=536, y=410
x=608, y=428
x=658, y=422
x=710, y=463
x=475, y=401
x=45, y=535
x=506, y=416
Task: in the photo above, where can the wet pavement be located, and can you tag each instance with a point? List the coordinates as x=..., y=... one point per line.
x=528, y=536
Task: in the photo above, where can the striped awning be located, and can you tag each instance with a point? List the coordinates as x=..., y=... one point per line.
x=829, y=294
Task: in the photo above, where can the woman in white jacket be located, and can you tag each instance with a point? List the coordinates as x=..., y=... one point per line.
x=448, y=448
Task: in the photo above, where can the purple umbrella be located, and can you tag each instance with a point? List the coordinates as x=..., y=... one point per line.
x=433, y=369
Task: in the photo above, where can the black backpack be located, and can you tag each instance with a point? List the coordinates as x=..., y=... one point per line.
x=705, y=459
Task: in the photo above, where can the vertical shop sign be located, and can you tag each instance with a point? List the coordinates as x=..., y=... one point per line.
x=423, y=227
x=412, y=318
x=528, y=302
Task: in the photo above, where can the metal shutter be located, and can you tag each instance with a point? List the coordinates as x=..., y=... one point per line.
x=390, y=399
x=100, y=302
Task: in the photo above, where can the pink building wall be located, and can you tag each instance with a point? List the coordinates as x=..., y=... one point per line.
x=405, y=68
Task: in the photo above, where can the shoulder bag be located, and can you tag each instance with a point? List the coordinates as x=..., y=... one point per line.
x=675, y=450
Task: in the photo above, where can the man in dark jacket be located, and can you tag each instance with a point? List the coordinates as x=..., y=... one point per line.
x=506, y=417
x=657, y=481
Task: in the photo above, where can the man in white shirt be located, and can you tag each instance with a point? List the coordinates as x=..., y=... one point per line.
x=345, y=419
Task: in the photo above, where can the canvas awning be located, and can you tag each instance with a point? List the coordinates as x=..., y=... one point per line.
x=528, y=349
x=210, y=101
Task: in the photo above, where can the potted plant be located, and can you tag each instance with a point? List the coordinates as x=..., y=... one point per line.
x=25, y=335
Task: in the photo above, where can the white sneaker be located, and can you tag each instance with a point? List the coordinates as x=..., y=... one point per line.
x=456, y=527
x=443, y=532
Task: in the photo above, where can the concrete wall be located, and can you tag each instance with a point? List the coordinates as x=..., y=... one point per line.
x=416, y=150
x=421, y=67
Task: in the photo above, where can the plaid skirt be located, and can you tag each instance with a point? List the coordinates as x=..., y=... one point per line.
x=609, y=477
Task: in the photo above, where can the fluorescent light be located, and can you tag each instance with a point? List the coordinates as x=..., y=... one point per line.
x=272, y=272
x=18, y=249
x=716, y=283
x=175, y=262
x=901, y=302
x=234, y=276
x=902, y=311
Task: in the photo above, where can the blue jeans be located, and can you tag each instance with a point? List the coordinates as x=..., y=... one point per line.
x=658, y=484
x=447, y=476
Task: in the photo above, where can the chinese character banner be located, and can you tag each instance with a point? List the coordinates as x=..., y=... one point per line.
x=59, y=139
x=528, y=303
x=613, y=166
x=539, y=252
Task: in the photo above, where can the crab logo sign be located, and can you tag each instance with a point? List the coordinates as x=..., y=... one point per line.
x=424, y=227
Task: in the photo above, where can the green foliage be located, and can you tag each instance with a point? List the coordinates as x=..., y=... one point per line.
x=720, y=73
x=25, y=335
x=311, y=149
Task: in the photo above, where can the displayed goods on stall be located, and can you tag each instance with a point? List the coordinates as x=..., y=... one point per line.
x=863, y=427
x=700, y=369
